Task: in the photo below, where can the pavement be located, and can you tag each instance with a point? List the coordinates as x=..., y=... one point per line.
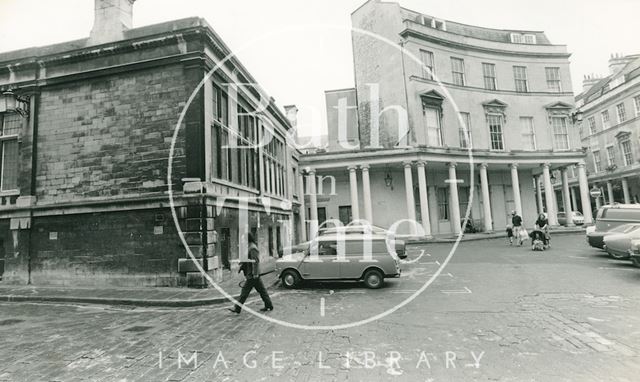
x=148, y=296
x=182, y=297
x=493, y=313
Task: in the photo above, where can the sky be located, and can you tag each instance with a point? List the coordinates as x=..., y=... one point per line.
x=297, y=49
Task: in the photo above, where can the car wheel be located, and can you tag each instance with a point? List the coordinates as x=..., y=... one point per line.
x=290, y=278
x=373, y=279
x=616, y=256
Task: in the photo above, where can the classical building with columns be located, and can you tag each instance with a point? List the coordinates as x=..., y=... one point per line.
x=610, y=130
x=446, y=120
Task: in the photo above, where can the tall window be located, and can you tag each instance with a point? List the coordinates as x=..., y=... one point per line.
x=528, y=133
x=428, y=66
x=636, y=102
x=495, y=131
x=605, y=119
x=611, y=156
x=457, y=71
x=621, y=112
x=10, y=124
x=597, y=161
x=592, y=125
x=464, y=131
x=553, y=79
x=443, y=203
x=489, y=73
x=274, y=160
x=627, y=154
x=221, y=152
x=560, y=133
x=434, y=126
x=520, y=76
x=247, y=151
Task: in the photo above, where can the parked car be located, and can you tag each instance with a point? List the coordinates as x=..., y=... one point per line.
x=618, y=243
x=577, y=217
x=634, y=252
x=325, y=259
x=611, y=217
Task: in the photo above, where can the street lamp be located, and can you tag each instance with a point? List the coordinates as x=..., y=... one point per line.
x=15, y=102
x=577, y=116
x=388, y=181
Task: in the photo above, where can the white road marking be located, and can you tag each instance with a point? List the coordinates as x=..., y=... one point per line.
x=441, y=275
x=414, y=260
x=579, y=257
x=403, y=291
x=461, y=291
x=430, y=263
x=322, y=306
x=620, y=269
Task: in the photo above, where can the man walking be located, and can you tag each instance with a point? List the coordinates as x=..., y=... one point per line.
x=251, y=270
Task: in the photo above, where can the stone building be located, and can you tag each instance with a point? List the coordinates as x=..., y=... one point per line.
x=611, y=130
x=444, y=117
x=87, y=131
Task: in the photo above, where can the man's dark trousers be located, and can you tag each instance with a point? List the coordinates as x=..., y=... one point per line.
x=259, y=286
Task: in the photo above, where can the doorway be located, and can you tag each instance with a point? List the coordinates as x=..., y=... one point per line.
x=225, y=246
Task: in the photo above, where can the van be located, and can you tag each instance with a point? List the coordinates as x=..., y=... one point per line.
x=351, y=257
x=611, y=217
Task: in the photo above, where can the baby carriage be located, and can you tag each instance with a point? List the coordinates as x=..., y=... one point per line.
x=539, y=241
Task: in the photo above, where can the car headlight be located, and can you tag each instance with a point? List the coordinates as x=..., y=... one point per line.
x=635, y=246
x=590, y=229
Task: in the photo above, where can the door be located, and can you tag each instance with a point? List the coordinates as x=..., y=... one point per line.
x=326, y=266
x=225, y=237
x=1, y=259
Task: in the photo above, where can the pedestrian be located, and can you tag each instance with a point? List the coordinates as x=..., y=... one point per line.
x=251, y=270
x=542, y=224
x=516, y=222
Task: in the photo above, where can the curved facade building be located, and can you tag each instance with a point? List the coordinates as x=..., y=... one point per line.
x=450, y=118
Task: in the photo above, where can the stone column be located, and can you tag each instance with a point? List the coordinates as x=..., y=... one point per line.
x=584, y=194
x=625, y=190
x=411, y=203
x=366, y=190
x=454, y=203
x=303, y=209
x=549, y=194
x=539, y=195
x=566, y=197
x=424, y=199
x=574, y=199
x=313, y=204
x=515, y=184
x=486, y=199
x=610, y=192
x=434, y=214
x=353, y=182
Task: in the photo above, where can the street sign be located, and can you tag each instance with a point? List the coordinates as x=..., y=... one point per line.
x=595, y=193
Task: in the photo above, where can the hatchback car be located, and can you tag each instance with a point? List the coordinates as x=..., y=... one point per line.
x=370, y=258
x=577, y=217
x=618, y=243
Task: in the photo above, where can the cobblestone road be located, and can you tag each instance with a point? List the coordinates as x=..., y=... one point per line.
x=495, y=313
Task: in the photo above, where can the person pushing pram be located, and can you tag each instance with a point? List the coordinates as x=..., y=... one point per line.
x=540, y=239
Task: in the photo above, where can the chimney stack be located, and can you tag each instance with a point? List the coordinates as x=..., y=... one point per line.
x=617, y=61
x=112, y=18
x=589, y=80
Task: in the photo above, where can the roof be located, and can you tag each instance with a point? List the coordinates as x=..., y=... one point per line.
x=629, y=72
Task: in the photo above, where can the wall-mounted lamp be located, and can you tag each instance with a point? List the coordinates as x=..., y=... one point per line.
x=577, y=116
x=388, y=181
x=15, y=102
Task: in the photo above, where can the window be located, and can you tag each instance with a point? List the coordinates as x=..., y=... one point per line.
x=344, y=214
x=274, y=160
x=597, y=162
x=495, y=132
x=434, y=126
x=553, y=79
x=489, y=73
x=528, y=133
x=529, y=39
x=517, y=38
x=592, y=125
x=627, y=155
x=10, y=124
x=605, y=119
x=428, y=67
x=636, y=101
x=220, y=150
x=464, y=131
x=560, y=133
x=457, y=71
x=520, y=76
x=621, y=112
x=611, y=156
x=443, y=203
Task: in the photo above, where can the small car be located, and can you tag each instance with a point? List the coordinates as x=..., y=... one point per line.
x=577, y=217
x=617, y=244
x=609, y=218
x=370, y=258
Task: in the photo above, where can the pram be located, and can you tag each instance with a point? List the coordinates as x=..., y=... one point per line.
x=539, y=240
